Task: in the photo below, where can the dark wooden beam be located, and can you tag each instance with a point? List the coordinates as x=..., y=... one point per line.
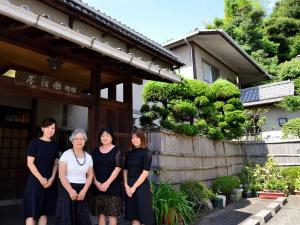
x=7, y=85
x=112, y=92
x=94, y=109
x=127, y=95
x=32, y=119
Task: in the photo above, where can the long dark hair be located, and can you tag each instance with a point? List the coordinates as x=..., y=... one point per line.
x=108, y=130
x=139, y=133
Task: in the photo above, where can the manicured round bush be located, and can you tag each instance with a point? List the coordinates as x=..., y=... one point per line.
x=156, y=92
x=196, y=88
x=187, y=129
x=225, y=185
x=201, y=101
x=236, y=102
x=183, y=110
x=223, y=90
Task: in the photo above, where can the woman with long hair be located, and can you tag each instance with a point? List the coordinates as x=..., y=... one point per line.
x=138, y=202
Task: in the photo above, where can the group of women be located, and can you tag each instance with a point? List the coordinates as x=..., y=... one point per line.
x=78, y=171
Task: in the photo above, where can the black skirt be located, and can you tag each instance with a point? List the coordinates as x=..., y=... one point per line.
x=37, y=200
x=139, y=206
x=69, y=212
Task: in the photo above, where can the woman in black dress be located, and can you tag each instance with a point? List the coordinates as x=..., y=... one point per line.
x=39, y=197
x=138, y=204
x=107, y=166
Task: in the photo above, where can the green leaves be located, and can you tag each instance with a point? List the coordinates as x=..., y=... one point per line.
x=193, y=107
x=171, y=206
x=292, y=128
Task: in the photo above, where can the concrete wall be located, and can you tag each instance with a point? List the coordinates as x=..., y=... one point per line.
x=177, y=158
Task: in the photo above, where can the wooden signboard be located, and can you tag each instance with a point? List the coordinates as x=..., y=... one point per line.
x=45, y=82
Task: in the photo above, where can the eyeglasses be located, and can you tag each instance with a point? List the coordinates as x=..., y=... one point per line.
x=78, y=139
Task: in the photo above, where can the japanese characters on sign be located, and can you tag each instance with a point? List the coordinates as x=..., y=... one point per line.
x=44, y=82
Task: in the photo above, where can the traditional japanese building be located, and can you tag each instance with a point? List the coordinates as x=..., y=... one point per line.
x=64, y=59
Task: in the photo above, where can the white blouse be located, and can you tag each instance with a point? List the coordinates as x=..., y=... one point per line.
x=76, y=173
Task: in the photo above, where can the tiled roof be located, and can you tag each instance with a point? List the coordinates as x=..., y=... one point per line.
x=269, y=93
x=109, y=22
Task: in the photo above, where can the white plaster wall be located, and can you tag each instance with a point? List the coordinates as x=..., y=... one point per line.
x=77, y=117
x=184, y=54
x=87, y=30
x=200, y=55
x=274, y=114
x=272, y=130
x=41, y=8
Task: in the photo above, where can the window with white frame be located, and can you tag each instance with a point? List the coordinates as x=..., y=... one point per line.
x=210, y=73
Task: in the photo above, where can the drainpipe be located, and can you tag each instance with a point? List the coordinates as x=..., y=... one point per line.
x=192, y=55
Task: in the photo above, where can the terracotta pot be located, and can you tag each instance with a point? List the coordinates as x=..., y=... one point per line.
x=271, y=194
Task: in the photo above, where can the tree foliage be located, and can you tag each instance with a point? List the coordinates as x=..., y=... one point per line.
x=291, y=128
x=193, y=107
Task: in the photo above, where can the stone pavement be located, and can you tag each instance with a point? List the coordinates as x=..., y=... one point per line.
x=289, y=214
x=248, y=211
x=234, y=214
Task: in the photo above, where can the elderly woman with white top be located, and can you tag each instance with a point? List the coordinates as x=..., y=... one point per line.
x=76, y=176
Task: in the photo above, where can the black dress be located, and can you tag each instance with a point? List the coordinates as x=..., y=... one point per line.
x=139, y=206
x=108, y=203
x=37, y=200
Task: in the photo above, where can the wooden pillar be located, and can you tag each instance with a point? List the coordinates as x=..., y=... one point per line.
x=127, y=93
x=94, y=110
x=112, y=92
x=32, y=120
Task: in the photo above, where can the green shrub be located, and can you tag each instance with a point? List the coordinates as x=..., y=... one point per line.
x=292, y=128
x=297, y=183
x=236, y=102
x=202, y=126
x=201, y=101
x=290, y=103
x=170, y=206
x=197, y=192
x=183, y=110
x=215, y=133
x=157, y=92
x=290, y=174
x=214, y=111
x=289, y=69
x=269, y=177
x=225, y=185
x=223, y=90
x=187, y=129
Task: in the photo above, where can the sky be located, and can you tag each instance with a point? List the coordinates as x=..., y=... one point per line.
x=162, y=20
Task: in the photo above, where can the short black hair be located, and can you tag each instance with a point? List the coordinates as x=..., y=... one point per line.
x=48, y=122
x=108, y=130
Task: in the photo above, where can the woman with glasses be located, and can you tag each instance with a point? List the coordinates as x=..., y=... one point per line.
x=76, y=176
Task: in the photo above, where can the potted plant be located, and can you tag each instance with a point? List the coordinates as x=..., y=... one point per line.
x=269, y=180
x=171, y=207
x=248, y=182
x=297, y=186
x=225, y=186
x=198, y=193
